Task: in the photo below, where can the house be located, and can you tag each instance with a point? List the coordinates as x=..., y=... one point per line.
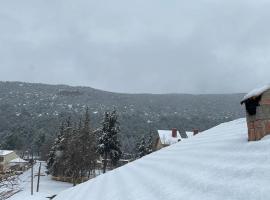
x=168, y=137
x=257, y=104
x=5, y=157
x=18, y=164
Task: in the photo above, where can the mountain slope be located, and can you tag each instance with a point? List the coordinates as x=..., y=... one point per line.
x=217, y=164
x=28, y=110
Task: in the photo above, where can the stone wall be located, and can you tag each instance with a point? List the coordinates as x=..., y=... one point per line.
x=259, y=124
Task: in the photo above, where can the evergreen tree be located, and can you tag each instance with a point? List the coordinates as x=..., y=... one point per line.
x=141, y=147
x=73, y=153
x=39, y=142
x=108, y=142
x=73, y=156
x=87, y=145
x=149, y=145
x=58, y=156
x=145, y=146
x=52, y=160
x=64, y=149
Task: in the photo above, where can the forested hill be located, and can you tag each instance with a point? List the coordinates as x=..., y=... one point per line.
x=29, y=110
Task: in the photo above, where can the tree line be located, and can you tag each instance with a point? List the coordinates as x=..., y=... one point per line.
x=78, y=148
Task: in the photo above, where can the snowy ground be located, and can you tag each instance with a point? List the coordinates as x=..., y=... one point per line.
x=218, y=164
x=47, y=186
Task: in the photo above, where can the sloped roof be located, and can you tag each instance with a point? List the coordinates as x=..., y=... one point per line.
x=5, y=152
x=18, y=160
x=217, y=164
x=166, y=137
x=256, y=92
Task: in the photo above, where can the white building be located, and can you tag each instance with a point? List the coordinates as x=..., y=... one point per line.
x=5, y=157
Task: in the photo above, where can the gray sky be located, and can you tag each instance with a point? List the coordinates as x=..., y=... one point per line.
x=182, y=46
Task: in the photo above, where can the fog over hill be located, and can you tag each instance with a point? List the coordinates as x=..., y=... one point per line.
x=28, y=110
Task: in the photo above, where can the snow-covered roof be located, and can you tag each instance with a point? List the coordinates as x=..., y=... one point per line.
x=256, y=92
x=5, y=152
x=166, y=137
x=217, y=164
x=189, y=134
x=18, y=160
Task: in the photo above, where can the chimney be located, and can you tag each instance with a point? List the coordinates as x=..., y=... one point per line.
x=174, y=132
x=195, y=131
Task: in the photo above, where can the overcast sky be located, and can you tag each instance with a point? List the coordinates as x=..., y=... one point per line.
x=180, y=46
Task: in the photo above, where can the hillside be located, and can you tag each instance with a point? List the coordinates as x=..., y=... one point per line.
x=29, y=110
x=216, y=164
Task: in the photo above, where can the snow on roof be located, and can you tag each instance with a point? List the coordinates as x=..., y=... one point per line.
x=18, y=160
x=256, y=92
x=189, y=134
x=217, y=164
x=5, y=152
x=166, y=137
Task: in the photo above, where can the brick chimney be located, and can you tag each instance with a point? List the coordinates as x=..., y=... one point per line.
x=174, y=132
x=195, y=131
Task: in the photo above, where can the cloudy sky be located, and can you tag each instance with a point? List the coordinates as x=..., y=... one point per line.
x=181, y=46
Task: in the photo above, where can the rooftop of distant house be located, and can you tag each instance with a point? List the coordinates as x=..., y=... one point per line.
x=5, y=152
x=166, y=137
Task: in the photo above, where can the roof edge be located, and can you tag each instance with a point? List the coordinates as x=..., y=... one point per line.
x=255, y=92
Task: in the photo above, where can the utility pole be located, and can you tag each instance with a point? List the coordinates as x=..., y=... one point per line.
x=38, y=176
x=32, y=174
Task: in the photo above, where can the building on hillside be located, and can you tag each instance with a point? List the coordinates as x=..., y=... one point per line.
x=257, y=104
x=18, y=164
x=5, y=157
x=169, y=137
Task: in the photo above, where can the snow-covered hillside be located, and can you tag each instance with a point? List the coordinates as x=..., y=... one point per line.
x=40, y=108
x=216, y=164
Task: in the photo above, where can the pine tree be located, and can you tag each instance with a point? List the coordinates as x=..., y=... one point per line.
x=73, y=156
x=65, y=148
x=145, y=146
x=108, y=142
x=73, y=153
x=149, y=145
x=87, y=145
x=52, y=160
x=141, y=147
x=58, y=157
